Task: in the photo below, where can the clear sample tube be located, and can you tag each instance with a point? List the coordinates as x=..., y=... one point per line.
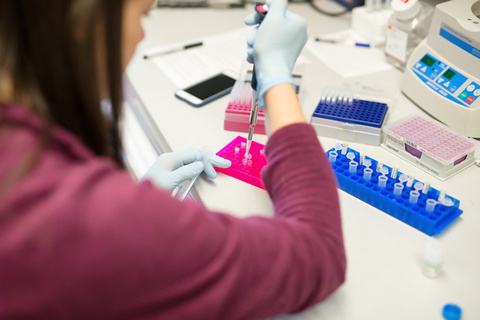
x=384, y=171
x=394, y=172
x=379, y=165
x=350, y=155
x=382, y=181
x=410, y=180
x=397, y=189
x=367, y=163
x=433, y=258
x=344, y=148
x=403, y=177
x=338, y=146
x=367, y=173
x=353, y=166
x=418, y=186
x=431, y=203
x=426, y=187
x=442, y=194
x=414, y=196
x=447, y=202
x=362, y=158
x=332, y=156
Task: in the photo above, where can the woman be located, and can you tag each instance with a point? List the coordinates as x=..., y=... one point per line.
x=79, y=239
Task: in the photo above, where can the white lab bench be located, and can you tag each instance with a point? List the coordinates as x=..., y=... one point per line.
x=384, y=278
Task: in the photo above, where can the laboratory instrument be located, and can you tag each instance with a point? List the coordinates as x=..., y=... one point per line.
x=183, y=189
x=430, y=145
x=261, y=9
x=426, y=215
x=343, y=115
x=443, y=73
x=407, y=27
x=208, y=89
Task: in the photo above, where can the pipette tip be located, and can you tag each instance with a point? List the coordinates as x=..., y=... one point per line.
x=249, y=142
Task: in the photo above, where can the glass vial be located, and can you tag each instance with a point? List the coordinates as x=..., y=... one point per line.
x=406, y=28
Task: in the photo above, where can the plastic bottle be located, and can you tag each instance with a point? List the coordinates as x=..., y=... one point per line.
x=406, y=28
x=433, y=258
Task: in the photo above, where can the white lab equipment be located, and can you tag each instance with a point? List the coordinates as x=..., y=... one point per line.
x=407, y=27
x=443, y=73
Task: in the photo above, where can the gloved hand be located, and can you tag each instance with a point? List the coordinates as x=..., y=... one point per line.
x=275, y=44
x=173, y=168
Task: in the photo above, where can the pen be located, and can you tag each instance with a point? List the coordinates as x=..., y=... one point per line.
x=345, y=42
x=170, y=49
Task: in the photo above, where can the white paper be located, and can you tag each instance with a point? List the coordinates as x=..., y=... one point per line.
x=220, y=52
x=347, y=60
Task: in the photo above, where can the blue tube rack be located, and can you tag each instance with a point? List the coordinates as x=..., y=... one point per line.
x=343, y=116
x=384, y=199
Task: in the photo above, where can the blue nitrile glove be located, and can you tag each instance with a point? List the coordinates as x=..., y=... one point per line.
x=275, y=44
x=173, y=168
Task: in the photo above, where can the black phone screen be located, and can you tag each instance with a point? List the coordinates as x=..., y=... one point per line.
x=211, y=86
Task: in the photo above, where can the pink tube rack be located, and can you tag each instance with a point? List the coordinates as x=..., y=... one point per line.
x=247, y=169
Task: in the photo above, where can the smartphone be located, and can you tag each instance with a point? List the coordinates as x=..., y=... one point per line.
x=208, y=89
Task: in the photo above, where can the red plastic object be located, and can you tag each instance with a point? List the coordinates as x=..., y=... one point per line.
x=246, y=169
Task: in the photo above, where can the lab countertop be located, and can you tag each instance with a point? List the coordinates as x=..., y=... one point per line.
x=384, y=278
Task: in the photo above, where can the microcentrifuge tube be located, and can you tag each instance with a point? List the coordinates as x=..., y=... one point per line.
x=379, y=165
x=367, y=173
x=447, y=202
x=403, y=177
x=418, y=186
x=414, y=196
x=350, y=155
x=338, y=146
x=353, y=166
x=332, y=156
x=237, y=150
x=394, y=172
x=426, y=187
x=345, y=148
x=362, y=158
x=243, y=145
x=410, y=180
x=433, y=258
x=367, y=163
x=382, y=181
x=442, y=194
x=384, y=171
x=397, y=189
x=431, y=203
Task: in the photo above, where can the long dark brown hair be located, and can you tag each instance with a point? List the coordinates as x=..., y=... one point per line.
x=58, y=53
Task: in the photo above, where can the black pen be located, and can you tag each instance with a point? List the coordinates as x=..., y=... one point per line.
x=170, y=49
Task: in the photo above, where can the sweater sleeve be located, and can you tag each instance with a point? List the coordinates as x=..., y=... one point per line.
x=95, y=245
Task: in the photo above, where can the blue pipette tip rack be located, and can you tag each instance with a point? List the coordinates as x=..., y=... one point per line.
x=415, y=215
x=342, y=116
x=247, y=169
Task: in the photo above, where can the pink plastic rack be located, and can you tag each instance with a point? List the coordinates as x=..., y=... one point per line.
x=247, y=169
x=430, y=145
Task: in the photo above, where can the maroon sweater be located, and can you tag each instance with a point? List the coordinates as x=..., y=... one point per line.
x=79, y=239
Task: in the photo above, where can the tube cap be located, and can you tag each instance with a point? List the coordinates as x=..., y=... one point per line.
x=452, y=312
x=405, y=9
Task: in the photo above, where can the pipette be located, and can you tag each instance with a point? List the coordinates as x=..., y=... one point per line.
x=261, y=9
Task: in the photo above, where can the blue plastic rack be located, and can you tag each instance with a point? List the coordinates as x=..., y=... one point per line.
x=398, y=206
x=341, y=116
